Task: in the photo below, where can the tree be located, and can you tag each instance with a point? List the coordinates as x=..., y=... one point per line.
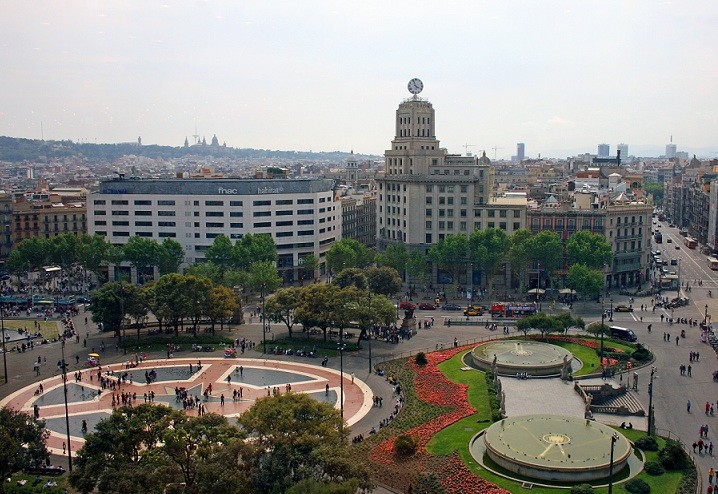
x=221, y=253
x=417, y=267
x=540, y=321
x=395, y=256
x=180, y=296
x=34, y=251
x=106, y=306
x=263, y=274
x=351, y=277
x=586, y=281
x=92, y=252
x=136, y=304
x=564, y=322
x=221, y=305
x=309, y=265
x=590, y=249
x=656, y=189
x=251, y=249
x=63, y=249
x=170, y=256
x=348, y=253
x=282, y=306
x=451, y=254
x=207, y=270
x=369, y=309
x=520, y=254
x=315, y=307
x=142, y=253
x=384, y=280
x=547, y=250
x=295, y=438
x=488, y=248
x=23, y=442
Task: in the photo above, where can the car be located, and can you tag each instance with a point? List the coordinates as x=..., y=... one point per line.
x=674, y=262
x=406, y=305
x=452, y=307
x=427, y=306
x=678, y=247
x=623, y=308
x=82, y=300
x=670, y=241
x=45, y=470
x=671, y=225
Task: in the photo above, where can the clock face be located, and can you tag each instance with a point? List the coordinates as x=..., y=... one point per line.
x=415, y=86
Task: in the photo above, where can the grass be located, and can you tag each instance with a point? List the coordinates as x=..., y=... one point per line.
x=456, y=437
x=48, y=329
x=12, y=487
x=156, y=343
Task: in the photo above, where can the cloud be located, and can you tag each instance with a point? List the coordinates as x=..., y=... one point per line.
x=556, y=120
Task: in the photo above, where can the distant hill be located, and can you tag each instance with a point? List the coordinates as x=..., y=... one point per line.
x=16, y=149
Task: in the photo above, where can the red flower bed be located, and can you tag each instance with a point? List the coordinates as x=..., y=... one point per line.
x=433, y=387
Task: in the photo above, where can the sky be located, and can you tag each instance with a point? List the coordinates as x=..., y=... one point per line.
x=559, y=75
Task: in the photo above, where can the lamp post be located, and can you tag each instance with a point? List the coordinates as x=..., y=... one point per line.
x=369, y=332
x=264, y=321
x=67, y=416
x=121, y=292
x=614, y=438
x=341, y=348
x=705, y=318
x=603, y=318
x=651, y=417
x=4, y=351
x=610, y=315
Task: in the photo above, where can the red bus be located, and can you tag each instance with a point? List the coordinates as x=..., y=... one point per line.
x=691, y=243
x=510, y=310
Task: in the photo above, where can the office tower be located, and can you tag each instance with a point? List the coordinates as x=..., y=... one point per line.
x=604, y=150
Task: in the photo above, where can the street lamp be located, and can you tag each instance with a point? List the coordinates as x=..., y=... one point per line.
x=67, y=416
x=264, y=321
x=341, y=348
x=705, y=319
x=651, y=417
x=369, y=332
x=614, y=438
x=610, y=315
x=603, y=318
x=4, y=351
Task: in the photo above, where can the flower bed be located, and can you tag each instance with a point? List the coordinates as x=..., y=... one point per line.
x=431, y=387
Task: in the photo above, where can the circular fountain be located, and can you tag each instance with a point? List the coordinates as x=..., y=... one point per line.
x=553, y=448
x=519, y=356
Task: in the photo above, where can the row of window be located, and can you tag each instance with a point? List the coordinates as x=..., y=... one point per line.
x=215, y=214
x=164, y=202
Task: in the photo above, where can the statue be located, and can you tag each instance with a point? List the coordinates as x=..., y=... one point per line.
x=565, y=368
x=498, y=386
x=502, y=406
x=494, y=369
x=589, y=399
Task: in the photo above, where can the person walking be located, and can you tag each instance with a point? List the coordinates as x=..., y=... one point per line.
x=688, y=406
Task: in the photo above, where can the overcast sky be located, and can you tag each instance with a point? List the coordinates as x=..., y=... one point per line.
x=561, y=76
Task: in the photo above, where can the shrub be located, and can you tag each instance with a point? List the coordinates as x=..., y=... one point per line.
x=689, y=482
x=405, y=445
x=427, y=483
x=420, y=359
x=641, y=354
x=647, y=443
x=654, y=468
x=638, y=486
x=673, y=456
x=582, y=489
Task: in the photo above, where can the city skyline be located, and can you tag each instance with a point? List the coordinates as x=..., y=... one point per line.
x=559, y=76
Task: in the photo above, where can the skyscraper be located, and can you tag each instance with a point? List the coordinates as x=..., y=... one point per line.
x=604, y=150
x=520, y=152
x=624, y=150
x=671, y=150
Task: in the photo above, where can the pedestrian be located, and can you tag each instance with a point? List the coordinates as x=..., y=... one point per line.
x=688, y=408
x=326, y=390
x=221, y=399
x=689, y=370
x=352, y=378
x=710, y=448
x=677, y=338
x=64, y=448
x=229, y=379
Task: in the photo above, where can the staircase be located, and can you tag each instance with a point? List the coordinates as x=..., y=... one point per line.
x=607, y=399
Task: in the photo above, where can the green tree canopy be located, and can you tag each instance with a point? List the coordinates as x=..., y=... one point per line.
x=251, y=249
x=488, y=248
x=309, y=265
x=23, y=442
x=451, y=254
x=221, y=253
x=590, y=249
x=546, y=248
x=143, y=254
x=520, y=254
x=170, y=256
x=348, y=253
x=384, y=280
x=394, y=256
x=282, y=307
x=586, y=281
x=351, y=277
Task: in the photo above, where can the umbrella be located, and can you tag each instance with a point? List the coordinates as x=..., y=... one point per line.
x=93, y=355
x=567, y=291
x=537, y=290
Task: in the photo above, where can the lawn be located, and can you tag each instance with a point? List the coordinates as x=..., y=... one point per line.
x=456, y=437
x=48, y=329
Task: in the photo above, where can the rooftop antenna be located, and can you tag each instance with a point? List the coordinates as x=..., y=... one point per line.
x=42, y=131
x=195, y=135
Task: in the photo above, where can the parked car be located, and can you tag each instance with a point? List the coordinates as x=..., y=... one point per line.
x=45, y=470
x=406, y=305
x=678, y=247
x=623, y=308
x=452, y=307
x=674, y=262
x=427, y=306
x=670, y=241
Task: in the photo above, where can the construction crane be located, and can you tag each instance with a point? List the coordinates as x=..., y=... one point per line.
x=466, y=148
x=495, y=148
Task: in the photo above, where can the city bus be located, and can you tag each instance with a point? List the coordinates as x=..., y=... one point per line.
x=691, y=243
x=713, y=263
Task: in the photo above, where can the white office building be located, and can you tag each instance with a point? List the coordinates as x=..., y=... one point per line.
x=300, y=215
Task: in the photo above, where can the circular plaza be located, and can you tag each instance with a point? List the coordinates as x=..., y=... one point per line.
x=521, y=356
x=221, y=385
x=553, y=448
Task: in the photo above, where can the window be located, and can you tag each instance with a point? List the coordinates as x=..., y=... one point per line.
x=142, y=203
x=166, y=202
x=144, y=234
x=98, y=213
x=167, y=234
x=305, y=232
x=463, y=201
x=143, y=223
x=167, y=223
x=284, y=234
x=517, y=226
x=210, y=224
x=492, y=213
x=235, y=214
x=196, y=203
x=235, y=203
x=462, y=213
x=143, y=213
x=462, y=226
x=450, y=213
x=214, y=214
x=428, y=212
x=491, y=224
x=283, y=223
x=427, y=238
x=257, y=214
x=236, y=225
x=283, y=202
x=284, y=213
x=477, y=225
x=305, y=211
x=120, y=234
x=502, y=225
x=165, y=213
x=214, y=203
x=442, y=225
x=428, y=225
x=305, y=222
x=120, y=213
x=263, y=224
x=451, y=200
x=120, y=223
x=100, y=222
x=262, y=203
x=502, y=213
x=99, y=202
x=442, y=213
x=305, y=201
x=429, y=188
x=442, y=200
x=428, y=199
x=118, y=202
